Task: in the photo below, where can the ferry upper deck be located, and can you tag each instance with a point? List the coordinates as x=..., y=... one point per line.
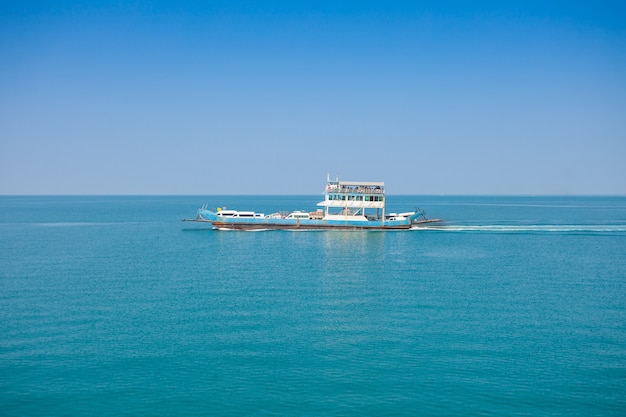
x=362, y=194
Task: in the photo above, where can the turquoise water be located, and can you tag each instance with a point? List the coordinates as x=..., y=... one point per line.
x=113, y=306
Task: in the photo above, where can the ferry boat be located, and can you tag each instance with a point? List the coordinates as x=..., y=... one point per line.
x=347, y=205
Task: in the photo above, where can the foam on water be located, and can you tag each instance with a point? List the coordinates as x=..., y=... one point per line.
x=543, y=228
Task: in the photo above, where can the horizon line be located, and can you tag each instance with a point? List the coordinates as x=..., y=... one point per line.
x=308, y=195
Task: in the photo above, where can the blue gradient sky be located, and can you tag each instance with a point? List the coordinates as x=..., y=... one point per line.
x=266, y=97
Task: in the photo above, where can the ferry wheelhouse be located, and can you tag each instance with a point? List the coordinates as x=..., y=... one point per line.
x=354, y=201
x=347, y=205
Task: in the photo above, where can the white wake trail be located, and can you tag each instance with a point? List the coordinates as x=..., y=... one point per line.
x=543, y=228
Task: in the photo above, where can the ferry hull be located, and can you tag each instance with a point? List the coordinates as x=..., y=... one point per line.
x=299, y=226
x=234, y=223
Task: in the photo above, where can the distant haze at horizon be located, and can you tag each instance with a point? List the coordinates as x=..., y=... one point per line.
x=240, y=97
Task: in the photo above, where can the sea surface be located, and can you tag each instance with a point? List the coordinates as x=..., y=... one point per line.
x=113, y=306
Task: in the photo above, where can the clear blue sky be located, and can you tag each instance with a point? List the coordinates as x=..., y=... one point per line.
x=266, y=97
